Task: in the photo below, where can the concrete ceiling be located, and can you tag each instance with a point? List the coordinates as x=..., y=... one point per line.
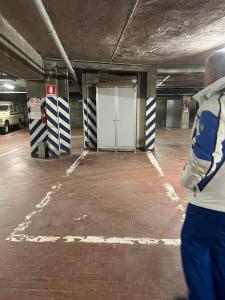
x=173, y=86
x=174, y=33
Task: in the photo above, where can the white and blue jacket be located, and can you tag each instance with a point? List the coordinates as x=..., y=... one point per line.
x=204, y=175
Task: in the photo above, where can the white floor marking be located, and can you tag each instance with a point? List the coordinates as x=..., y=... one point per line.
x=33, y=239
x=94, y=240
x=170, y=192
x=44, y=202
x=14, y=150
x=17, y=236
x=172, y=195
x=38, y=209
x=76, y=163
x=155, y=163
x=83, y=218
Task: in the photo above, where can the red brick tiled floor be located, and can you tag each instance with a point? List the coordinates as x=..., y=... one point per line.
x=121, y=194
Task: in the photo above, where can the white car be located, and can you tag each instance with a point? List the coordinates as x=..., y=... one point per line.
x=11, y=114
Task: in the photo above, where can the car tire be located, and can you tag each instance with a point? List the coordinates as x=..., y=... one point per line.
x=6, y=128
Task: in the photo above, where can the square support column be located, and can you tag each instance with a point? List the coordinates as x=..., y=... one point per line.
x=150, y=111
x=52, y=123
x=141, y=109
x=37, y=128
x=89, y=109
x=58, y=116
x=64, y=115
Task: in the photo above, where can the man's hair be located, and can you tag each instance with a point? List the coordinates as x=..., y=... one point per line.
x=216, y=63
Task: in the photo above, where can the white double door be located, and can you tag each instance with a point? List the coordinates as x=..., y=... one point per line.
x=116, y=118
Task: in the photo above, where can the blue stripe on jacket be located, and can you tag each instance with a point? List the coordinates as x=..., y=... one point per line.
x=205, y=144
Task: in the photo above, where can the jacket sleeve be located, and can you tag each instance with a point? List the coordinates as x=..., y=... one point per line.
x=202, y=150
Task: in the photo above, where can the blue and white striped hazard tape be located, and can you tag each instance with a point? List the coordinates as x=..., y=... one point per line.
x=150, y=124
x=53, y=126
x=38, y=130
x=64, y=125
x=90, y=125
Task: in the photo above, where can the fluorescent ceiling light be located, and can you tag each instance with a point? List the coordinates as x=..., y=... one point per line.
x=9, y=86
x=1, y=79
x=165, y=79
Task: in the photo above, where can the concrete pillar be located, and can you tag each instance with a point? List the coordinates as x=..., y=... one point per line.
x=185, y=112
x=49, y=116
x=85, y=116
x=141, y=109
x=151, y=83
x=89, y=81
x=63, y=111
x=174, y=112
x=150, y=111
x=36, y=104
x=161, y=112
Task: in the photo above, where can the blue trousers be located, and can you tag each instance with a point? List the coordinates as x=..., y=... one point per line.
x=203, y=253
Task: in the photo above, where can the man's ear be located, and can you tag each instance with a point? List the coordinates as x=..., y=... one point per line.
x=213, y=75
x=210, y=76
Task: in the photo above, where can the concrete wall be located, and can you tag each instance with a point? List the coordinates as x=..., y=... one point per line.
x=169, y=113
x=161, y=111
x=193, y=111
x=76, y=111
x=141, y=109
x=174, y=112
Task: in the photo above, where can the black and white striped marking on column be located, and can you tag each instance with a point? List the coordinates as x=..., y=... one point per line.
x=64, y=125
x=38, y=130
x=53, y=126
x=90, y=125
x=150, y=123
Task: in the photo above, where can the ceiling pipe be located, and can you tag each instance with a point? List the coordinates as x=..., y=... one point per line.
x=123, y=32
x=52, y=32
x=164, y=80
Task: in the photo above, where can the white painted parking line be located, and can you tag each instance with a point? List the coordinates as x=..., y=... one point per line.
x=155, y=163
x=170, y=192
x=18, y=236
x=38, y=209
x=44, y=202
x=172, y=195
x=76, y=163
x=94, y=240
x=12, y=151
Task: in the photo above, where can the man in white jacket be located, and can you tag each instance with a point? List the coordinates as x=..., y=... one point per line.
x=203, y=233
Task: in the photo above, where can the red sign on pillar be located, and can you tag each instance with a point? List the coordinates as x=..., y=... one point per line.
x=50, y=89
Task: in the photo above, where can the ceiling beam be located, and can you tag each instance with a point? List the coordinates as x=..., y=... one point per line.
x=17, y=56
x=126, y=67
x=181, y=70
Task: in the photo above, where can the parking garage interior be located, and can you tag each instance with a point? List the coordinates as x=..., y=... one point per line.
x=91, y=204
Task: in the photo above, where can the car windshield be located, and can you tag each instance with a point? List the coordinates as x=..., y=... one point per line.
x=4, y=107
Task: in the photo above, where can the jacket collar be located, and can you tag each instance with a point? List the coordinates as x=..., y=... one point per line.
x=210, y=90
